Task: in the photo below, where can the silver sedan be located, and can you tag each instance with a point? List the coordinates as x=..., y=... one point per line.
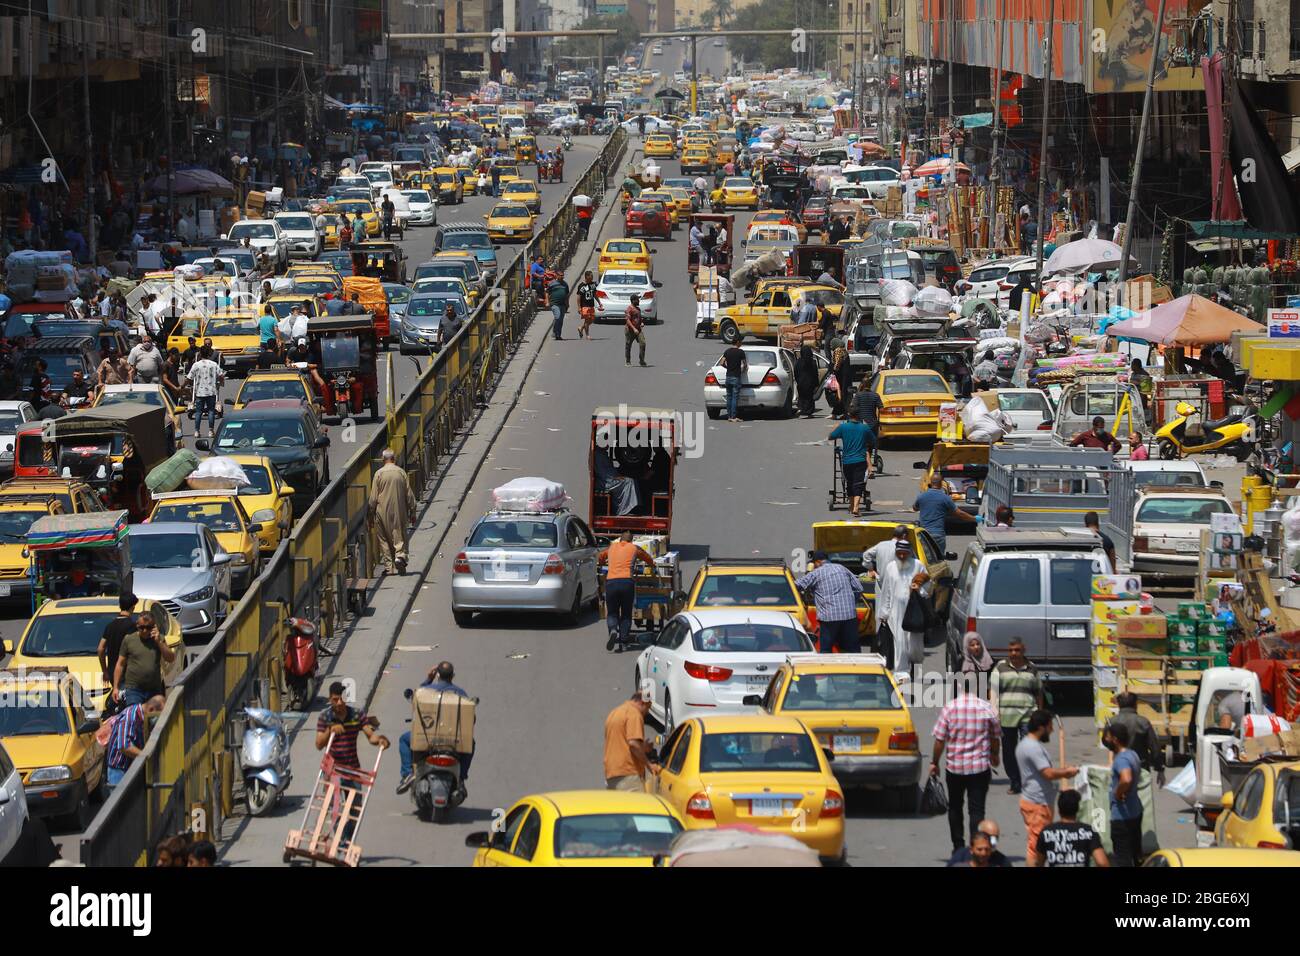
x=768, y=383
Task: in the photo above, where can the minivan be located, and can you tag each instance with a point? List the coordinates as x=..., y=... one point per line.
x=1032, y=584
x=63, y=355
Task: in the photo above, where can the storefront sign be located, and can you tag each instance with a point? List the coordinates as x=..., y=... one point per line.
x=1284, y=323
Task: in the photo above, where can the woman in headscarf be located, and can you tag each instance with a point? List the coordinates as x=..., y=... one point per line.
x=805, y=380
x=975, y=658
x=843, y=373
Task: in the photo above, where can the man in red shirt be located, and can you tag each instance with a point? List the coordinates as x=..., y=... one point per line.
x=632, y=330
x=1097, y=437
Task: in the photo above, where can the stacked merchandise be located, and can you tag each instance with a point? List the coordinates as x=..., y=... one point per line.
x=40, y=276
x=1115, y=598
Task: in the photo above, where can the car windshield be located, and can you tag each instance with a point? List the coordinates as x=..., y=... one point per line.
x=142, y=397
x=1181, y=510
x=378, y=176
x=466, y=240
x=164, y=550
x=217, y=515
x=283, y=307
x=520, y=186
x=1023, y=402
x=596, y=836
x=14, y=525
x=725, y=590
x=757, y=753
x=750, y=638
x=252, y=230
x=824, y=296
x=1170, y=479
x=512, y=533
x=510, y=212
x=317, y=286
x=740, y=184
x=30, y=713
x=260, y=432
x=646, y=207
x=852, y=691
x=66, y=635
x=259, y=480
x=441, y=284
x=417, y=196
x=397, y=293
x=431, y=305
x=245, y=258
x=297, y=223
x=354, y=206
x=257, y=389
x=9, y=422
x=443, y=269
x=625, y=247
x=229, y=327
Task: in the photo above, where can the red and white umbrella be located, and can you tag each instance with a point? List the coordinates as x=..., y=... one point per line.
x=938, y=166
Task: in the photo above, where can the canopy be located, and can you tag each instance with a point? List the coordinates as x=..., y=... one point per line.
x=1083, y=255
x=187, y=182
x=92, y=529
x=976, y=120
x=1238, y=229
x=146, y=424
x=1187, y=320
x=938, y=167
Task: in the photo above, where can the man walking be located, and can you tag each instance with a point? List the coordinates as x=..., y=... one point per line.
x=1016, y=690
x=127, y=737
x=934, y=507
x=736, y=364
x=1069, y=842
x=627, y=756
x=557, y=293
x=834, y=591
x=968, y=730
x=1142, y=736
x=391, y=512
x=1039, y=776
x=633, y=331
x=1125, y=804
x=110, y=643
x=867, y=405
x=586, y=304
x=138, y=673
x=620, y=586
x=205, y=382
x=853, y=437
x=449, y=325
x=144, y=363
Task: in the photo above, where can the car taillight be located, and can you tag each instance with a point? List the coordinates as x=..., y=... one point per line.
x=903, y=741
x=647, y=295
x=601, y=294
x=1268, y=845
x=700, y=807
x=1005, y=286
x=707, y=672
x=1045, y=426
x=970, y=623
x=710, y=379
x=441, y=760
x=606, y=259
x=832, y=804
x=1140, y=543
x=848, y=346
x=553, y=565
x=895, y=410
x=771, y=379
x=462, y=564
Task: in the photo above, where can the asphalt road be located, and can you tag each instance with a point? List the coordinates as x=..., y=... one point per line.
x=417, y=244
x=677, y=53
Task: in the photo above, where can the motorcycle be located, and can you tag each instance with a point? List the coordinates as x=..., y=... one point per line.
x=438, y=788
x=1236, y=435
x=343, y=394
x=568, y=141
x=264, y=760
x=301, y=661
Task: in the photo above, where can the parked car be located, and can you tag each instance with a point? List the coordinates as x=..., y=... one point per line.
x=300, y=234
x=289, y=435
x=265, y=236
x=13, y=807
x=1167, y=526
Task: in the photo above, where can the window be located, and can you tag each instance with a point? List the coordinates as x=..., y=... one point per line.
x=530, y=833
x=517, y=534
x=724, y=590
x=1250, y=796
x=1071, y=580
x=749, y=638
x=924, y=383
x=1295, y=30
x=1181, y=510
x=758, y=752
x=678, y=759
x=1013, y=581
x=854, y=691
x=514, y=820
x=1286, y=804
x=574, y=536
x=930, y=553
x=606, y=835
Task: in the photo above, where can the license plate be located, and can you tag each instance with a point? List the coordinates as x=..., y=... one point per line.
x=921, y=410
x=510, y=573
x=227, y=360
x=766, y=808
x=846, y=742
x=761, y=680
x=5, y=590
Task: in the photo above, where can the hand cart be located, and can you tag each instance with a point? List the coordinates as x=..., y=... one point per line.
x=839, y=492
x=658, y=595
x=333, y=814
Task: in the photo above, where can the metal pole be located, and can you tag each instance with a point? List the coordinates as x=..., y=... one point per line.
x=169, y=93
x=1042, y=143
x=997, y=117
x=695, y=73
x=92, y=236
x=600, y=71
x=226, y=87
x=275, y=61
x=952, y=56
x=1130, y=217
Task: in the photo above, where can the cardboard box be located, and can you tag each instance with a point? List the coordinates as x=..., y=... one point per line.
x=1104, y=678
x=1103, y=713
x=1106, y=655
x=1101, y=633
x=1116, y=587
x=1140, y=626
x=1109, y=612
x=441, y=720
x=1287, y=742
x=1211, y=645
x=1212, y=628
x=1180, y=644
x=1192, y=610
x=1147, y=646
x=1182, y=627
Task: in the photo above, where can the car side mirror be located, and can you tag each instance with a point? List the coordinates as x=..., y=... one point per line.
x=88, y=726
x=230, y=402
x=950, y=555
x=1227, y=800
x=286, y=491
x=752, y=700
x=478, y=839
x=222, y=557
x=8, y=647
x=4, y=797
x=202, y=444
x=322, y=441
x=830, y=754
x=920, y=464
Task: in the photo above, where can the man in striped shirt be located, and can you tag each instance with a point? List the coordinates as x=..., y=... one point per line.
x=346, y=722
x=1016, y=691
x=834, y=590
x=127, y=736
x=968, y=730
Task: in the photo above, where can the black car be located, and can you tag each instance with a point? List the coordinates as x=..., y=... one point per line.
x=287, y=433
x=63, y=355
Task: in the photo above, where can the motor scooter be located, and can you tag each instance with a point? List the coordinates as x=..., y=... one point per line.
x=341, y=382
x=264, y=760
x=439, y=786
x=301, y=662
x=1236, y=435
x=568, y=141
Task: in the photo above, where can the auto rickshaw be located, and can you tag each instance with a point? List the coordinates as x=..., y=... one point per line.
x=632, y=460
x=525, y=148
x=721, y=256
x=110, y=447
x=370, y=293
x=79, y=555
x=345, y=350
x=552, y=171
x=380, y=260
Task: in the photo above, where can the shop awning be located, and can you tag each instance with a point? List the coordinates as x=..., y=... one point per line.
x=1235, y=229
x=1188, y=320
x=976, y=120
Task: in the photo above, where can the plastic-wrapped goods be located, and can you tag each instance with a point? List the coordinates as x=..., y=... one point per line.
x=581, y=201
x=172, y=473
x=1263, y=725
x=530, y=494
x=218, y=472
x=933, y=300
x=189, y=271
x=980, y=424
x=897, y=292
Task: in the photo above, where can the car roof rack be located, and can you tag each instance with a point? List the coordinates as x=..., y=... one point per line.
x=711, y=559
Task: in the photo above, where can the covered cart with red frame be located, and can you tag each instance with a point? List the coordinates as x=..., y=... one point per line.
x=79, y=555
x=633, y=462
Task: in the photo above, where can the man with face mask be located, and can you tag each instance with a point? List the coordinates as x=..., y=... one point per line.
x=1038, y=780
x=144, y=363
x=1097, y=437
x=987, y=832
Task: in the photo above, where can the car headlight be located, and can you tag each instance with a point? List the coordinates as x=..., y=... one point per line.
x=263, y=515
x=50, y=774
x=202, y=594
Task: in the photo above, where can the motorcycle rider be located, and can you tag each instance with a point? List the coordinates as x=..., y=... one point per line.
x=439, y=679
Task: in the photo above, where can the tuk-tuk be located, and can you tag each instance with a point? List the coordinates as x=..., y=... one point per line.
x=525, y=148
x=370, y=293
x=380, y=260
x=632, y=461
x=79, y=555
x=345, y=350
x=110, y=447
x=721, y=255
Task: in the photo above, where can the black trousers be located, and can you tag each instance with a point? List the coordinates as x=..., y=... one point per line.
x=974, y=788
x=1126, y=842
x=620, y=598
x=1010, y=738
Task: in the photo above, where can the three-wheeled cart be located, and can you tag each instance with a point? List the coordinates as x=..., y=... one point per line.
x=659, y=592
x=333, y=815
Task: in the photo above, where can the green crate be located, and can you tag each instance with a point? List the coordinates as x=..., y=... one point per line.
x=1212, y=628
x=1193, y=610
x=1183, y=645
x=1182, y=627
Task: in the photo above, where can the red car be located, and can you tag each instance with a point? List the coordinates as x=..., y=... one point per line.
x=814, y=214
x=648, y=219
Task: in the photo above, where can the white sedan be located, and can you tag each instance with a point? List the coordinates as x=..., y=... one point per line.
x=615, y=291
x=704, y=663
x=653, y=124
x=768, y=383
x=424, y=211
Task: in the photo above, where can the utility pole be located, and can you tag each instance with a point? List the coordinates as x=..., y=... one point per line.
x=929, y=77
x=997, y=121
x=92, y=235
x=169, y=94
x=1130, y=219
x=1229, y=72
x=600, y=71
x=904, y=126
x=275, y=60
x=882, y=72
x=1042, y=143
x=951, y=11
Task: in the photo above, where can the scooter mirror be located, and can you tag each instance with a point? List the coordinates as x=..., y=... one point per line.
x=408, y=693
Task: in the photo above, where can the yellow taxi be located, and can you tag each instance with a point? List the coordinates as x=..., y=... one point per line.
x=73, y=495
x=780, y=217
x=736, y=192
x=450, y=187
x=854, y=708
x=51, y=740
x=474, y=287
x=281, y=381
x=910, y=400
x=267, y=500
x=468, y=179
x=234, y=337
x=363, y=207
x=17, y=512
x=682, y=197
x=308, y=268
x=660, y=145
x=222, y=512
x=1262, y=813
x=524, y=191
x=669, y=203
x=142, y=394
x=760, y=770
x=65, y=633
x=331, y=228
x=724, y=151
x=625, y=254
x=697, y=159
x=510, y=222
x=188, y=325
x=580, y=828
x=282, y=305
x=748, y=582
x=506, y=172
x=311, y=285
x=761, y=317
x=525, y=148
x=1222, y=857
x=962, y=466
x=845, y=542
